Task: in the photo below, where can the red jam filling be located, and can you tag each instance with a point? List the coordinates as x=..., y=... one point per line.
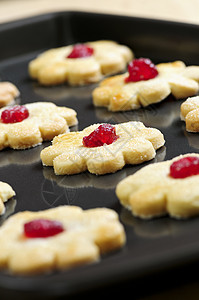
x=14, y=114
x=185, y=167
x=42, y=228
x=81, y=50
x=141, y=69
x=104, y=134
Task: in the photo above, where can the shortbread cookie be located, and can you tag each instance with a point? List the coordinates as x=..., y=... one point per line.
x=80, y=64
x=8, y=93
x=86, y=179
x=58, y=238
x=28, y=125
x=169, y=187
x=9, y=209
x=146, y=84
x=6, y=192
x=190, y=114
x=102, y=148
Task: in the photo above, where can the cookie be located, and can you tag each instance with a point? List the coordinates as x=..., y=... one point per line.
x=190, y=114
x=26, y=126
x=58, y=238
x=132, y=143
x=119, y=93
x=8, y=93
x=169, y=187
x=87, y=180
x=6, y=192
x=80, y=64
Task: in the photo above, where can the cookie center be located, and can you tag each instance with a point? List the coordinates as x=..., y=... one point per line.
x=185, y=167
x=14, y=114
x=80, y=51
x=42, y=228
x=141, y=69
x=104, y=134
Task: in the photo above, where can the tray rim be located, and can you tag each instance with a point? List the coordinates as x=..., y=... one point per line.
x=36, y=18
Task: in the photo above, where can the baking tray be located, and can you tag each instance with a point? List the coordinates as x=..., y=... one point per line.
x=155, y=249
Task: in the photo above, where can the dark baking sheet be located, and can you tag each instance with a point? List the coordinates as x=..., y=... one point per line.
x=155, y=249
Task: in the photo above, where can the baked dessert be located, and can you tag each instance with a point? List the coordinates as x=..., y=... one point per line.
x=58, y=238
x=169, y=187
x=71, y=184
x=9, y=209
x=190, y=114
x=6, y=192
x=26, y=126
x=102, y=148
x=80, y=64
x=145, y=84
x=8, y=93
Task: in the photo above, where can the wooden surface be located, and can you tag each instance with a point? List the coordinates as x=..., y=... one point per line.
x=176, y=10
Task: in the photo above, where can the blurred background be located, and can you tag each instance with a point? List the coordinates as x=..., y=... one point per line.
x=175, y=10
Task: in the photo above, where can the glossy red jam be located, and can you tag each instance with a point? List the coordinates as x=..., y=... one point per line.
x=141, y=69
x=104, y=134
x=185, y=167
x=14, y=114
x=42, y=228
x=81, y=50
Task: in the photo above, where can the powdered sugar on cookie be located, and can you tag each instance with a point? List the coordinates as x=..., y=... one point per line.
x=190, y=114
x=80, y=64
x=8, y=93
x=85, y=236
x=6, y=192
x=133, y=144
x=43, y=122
x=117, y=93
x=169, y=187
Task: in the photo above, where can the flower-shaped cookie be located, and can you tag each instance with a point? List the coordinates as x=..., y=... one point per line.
x=87, y=179
x=84, y=236
x=55, y=67
x=6, y=192
x=173, y=78
x=8, y=93
x=45, y=121
x=154, y=190
x=190, y=114
x=135, y=144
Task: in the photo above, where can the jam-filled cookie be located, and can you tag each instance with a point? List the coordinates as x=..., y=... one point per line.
x=6, y=192
x=8, y=93
x=25, y=126
x=102, y=148
x=169, y=187
x=58, y=238
x=146, y=83
x=80, y=64
x=190, y=114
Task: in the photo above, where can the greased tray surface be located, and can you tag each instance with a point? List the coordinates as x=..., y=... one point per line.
x=153, y=247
